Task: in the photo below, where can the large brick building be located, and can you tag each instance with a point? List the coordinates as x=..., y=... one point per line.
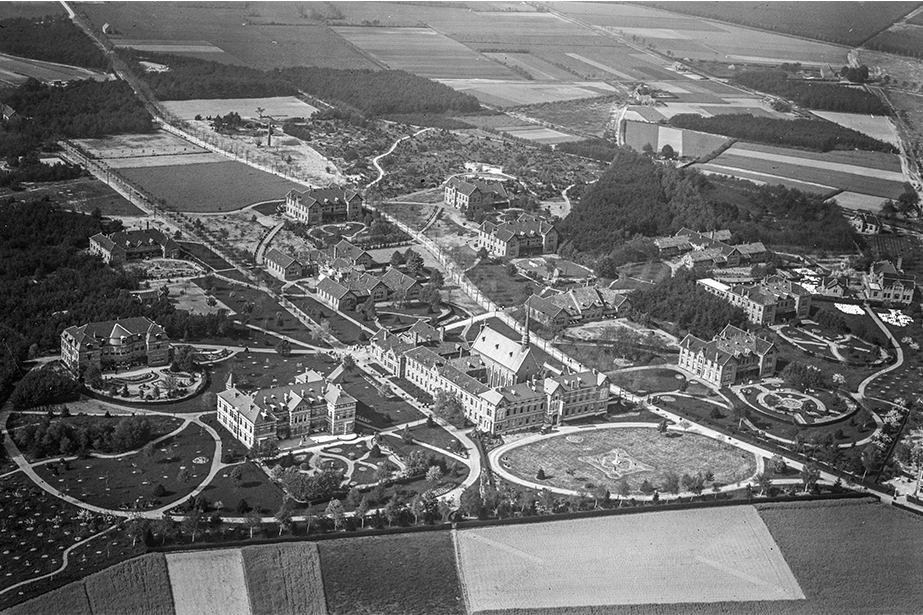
x=463, y=194
x=581, y=304
x=311, y=405
x=323, y=206
x=523, y=236
x=733, y=355
x=133, y=245
x=766, y=301
x=115, y=344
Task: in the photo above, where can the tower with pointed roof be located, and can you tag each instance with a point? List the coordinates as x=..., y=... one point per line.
x=524, y=343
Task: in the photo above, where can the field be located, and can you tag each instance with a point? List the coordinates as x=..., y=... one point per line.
x=722, y=554
x=139, y=586
x=84, y=194
x=636, y=454
x=657, y=380
x=496, y=282
x=284, y=579
x=279, y=107
x=539, y=134
x=902, y=39
x=582, y=116
x=157, y=149
x=870, y=173
x=71, y=599
x=255, y=487
x=243, y=32
x=506, y=93
x=15, y=71
x=698, y=39
x=202, y=253
x=208, y=582
x=423, y=51
x=413, y=574
x=876, y=126
x=688, y=143
x=228, y=185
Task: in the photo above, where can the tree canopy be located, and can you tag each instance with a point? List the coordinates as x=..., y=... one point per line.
x=820, y=96
x=52, y=39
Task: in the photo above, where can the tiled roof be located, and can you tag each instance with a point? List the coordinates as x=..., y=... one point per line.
x=330, y=287
x=280, y=258
x=116, y=329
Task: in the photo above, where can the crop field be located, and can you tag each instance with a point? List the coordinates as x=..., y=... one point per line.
x=31, y=10
x=636, y=454
x=539, y=134
x=277, y=107
x=903, y=39
x=209, y=187
x=423, y=51
x=582, y=116
x=684, y=142
x=71, y=599
x=698, y=38
x=15, y=71
x=411, y=574
x=243, y=32
x=767, y=179
x=876, y=126
x=284, y=579
x=139, y=586
x=208, y=582
x=721, y=554
x=855, y=201
x=535, y=66
x=514, y=93
x=84, y=194
x=157, y=143
x=858, y=172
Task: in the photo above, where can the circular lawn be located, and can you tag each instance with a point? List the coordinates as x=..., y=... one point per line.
x=585, y=460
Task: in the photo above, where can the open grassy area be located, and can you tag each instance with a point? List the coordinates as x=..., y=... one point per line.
x=85, y=194
x=284, y=579
x=71, y=599
x=210, y=581
x=373, y=409
x=342, y=328
x=140, y=585
x=205, y=255
x=112, y=483
x=606, y=456
x=413, y=574
x=436, y=436
x=496, y=282
x=654, y=380
x=255, y=487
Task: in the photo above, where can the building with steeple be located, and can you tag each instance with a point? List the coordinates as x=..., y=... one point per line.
x=506, y=362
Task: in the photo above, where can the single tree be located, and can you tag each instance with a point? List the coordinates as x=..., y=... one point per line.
x=191, y=523
x=362, y=510
x=284, y=517
x=335, y=512
x=764, y=482
x=252, y=520
x=237, y=476
x=183, y=476
x=810, y=474
x=434, y=475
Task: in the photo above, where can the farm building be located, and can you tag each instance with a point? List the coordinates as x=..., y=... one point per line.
x=525, y=235
x=766, y=301
x=133, y=245
x=583, y=304
x=323, y=206
x=311, y=405
x=283, y=266
x=115, y=344
x=733, y=355
x=864, y=222
x=463, y=193
x=886, y=282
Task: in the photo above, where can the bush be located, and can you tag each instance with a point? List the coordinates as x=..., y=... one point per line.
x=159, y=491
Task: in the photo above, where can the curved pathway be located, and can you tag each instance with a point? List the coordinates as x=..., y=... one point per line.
x=897, y=349
x=496, y=454
x=265, y=241
x=64, y=561
x=377, y=159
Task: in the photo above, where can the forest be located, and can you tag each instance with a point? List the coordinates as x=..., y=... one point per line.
x=30, y=169
x=60, y=437
x=597, y=149
x=52, y=39
x=80, y=110
x=679, y=300
x=637, y=197
x=820, y=96
x=816, y=135
x=48, y=283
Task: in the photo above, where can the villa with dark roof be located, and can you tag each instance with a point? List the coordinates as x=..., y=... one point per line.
x=581, y=304
x=140, y=244
x=463, y=193
x=115, y=344
x=732, y=356
x=709, y=250
x=886, y=282
x=765, y=301
x=523, y=236
x=325, y=205
x=313, y=404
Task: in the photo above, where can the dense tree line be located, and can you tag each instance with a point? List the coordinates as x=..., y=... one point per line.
x=818, y=135
x=192, y=78
x=687, y=305
x=820, y=96
x=30, y=169
x=81, y=110
x=638, y=197
x=42, y=387
x=52, y=39
x=380, y=92
x=62, y=437
x=597, y=149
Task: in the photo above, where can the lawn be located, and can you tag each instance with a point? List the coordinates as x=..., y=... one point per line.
x=342, y=328
x=284, y=579
x=112, y=483
x=412, y=574
x=377, y=411
x=719, y=554
x=653, y=380
x=496, y=282
x=854, y=374
x=85, y=194
x=436, y=436
x=71, y=599
x=635, y=454
x=140, y=586
x=205, y=255
x=209, y=186
x=255, y=487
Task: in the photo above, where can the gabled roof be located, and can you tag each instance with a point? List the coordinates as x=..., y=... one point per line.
x=281, y=259
x=334, y=289
x=570, y=382
x=397, y=280
x=116, y=329
x=522, y=392
x=545, y=306
x=504, y=351
x=319, y=195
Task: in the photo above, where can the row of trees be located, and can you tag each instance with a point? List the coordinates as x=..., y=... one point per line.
x=819, y=135
x=820, y=96
x=53, y=39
